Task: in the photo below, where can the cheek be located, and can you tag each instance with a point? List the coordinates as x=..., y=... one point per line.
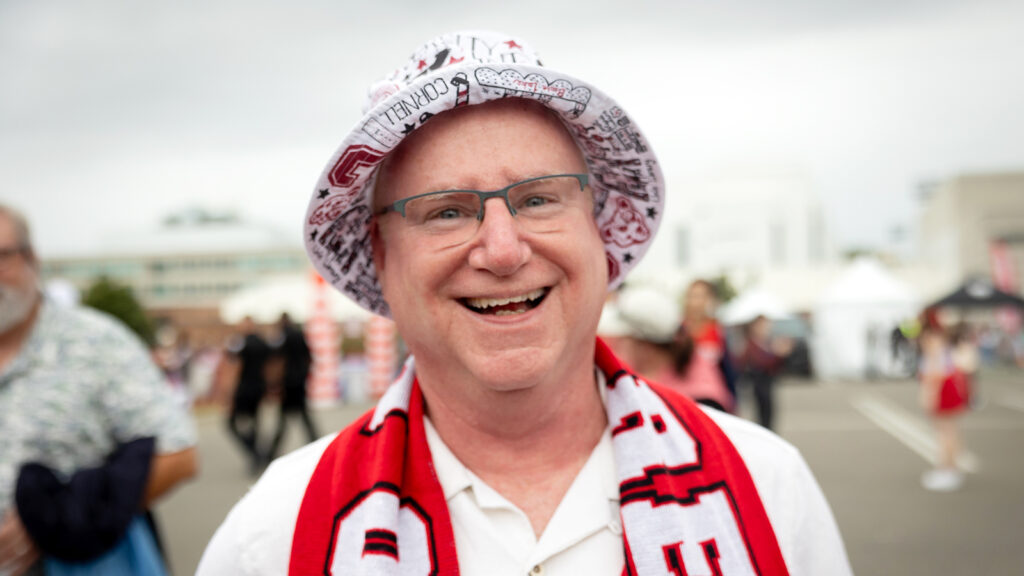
x=411, y=278
x=391, y=258
x=587, y=265
x=593, y=251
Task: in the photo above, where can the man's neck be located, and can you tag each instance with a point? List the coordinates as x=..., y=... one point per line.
x=12, y=340
x=530, y=444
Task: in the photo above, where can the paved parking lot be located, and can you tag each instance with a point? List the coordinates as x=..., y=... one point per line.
x=866, y=442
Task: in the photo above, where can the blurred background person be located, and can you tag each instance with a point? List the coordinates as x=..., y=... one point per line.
x=904, y=348
x=173, y=355
x=988, y=344
x=966, y=360
x=944, y=396
x=252, y=353
x=645, y=322
x=76, y=388
x=294, y=352
x=1018, y=349
x=761, y=360
x=708, y=376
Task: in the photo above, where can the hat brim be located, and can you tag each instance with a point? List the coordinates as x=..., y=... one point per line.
x=624, y=173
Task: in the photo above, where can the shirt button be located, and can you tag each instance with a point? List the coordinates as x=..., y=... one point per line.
x=537, y=570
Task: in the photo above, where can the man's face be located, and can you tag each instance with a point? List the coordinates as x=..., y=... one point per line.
x=438, y=294
x=18, y=278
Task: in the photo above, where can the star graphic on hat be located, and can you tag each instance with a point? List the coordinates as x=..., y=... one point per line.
x=312, y=235
x=409, y=128
x=627, y=257
x=323, y=194
x=421, y=65
x=652, y=212
x=512, y=44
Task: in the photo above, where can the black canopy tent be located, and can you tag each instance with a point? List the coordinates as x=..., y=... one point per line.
x=978, y=293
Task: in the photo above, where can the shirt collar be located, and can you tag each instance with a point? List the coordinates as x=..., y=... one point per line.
x=453, y=476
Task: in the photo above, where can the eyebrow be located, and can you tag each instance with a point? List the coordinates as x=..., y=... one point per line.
x=511, y=177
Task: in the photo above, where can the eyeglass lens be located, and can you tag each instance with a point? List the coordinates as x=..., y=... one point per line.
x=538, y=206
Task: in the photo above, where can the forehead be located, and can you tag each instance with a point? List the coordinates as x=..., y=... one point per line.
x=699, y=289
x=483, y=146
x=8, y=232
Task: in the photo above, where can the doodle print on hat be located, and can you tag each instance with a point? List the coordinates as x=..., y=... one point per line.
x=466, y=69
x=626, y=227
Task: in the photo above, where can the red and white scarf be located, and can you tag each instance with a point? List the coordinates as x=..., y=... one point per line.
x=374, y=505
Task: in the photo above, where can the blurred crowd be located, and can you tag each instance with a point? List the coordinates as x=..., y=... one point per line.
x=678, y=341
x=672, y=339
x=685, y=347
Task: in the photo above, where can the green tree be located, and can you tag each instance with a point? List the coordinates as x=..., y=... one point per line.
x=852, y=254
x=723, y=287
x=118, y=301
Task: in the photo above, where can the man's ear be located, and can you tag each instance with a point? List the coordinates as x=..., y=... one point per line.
x=379, y=253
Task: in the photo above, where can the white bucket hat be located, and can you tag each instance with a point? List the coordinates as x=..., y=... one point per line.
x=647, y=313
x=464, y=69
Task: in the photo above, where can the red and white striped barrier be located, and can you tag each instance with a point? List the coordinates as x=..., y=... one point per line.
x=322, y=335
x=380, y=353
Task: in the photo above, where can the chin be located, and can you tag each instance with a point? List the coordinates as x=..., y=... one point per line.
x=509, y=370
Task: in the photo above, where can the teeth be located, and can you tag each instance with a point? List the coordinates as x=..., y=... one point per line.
x=492, y=302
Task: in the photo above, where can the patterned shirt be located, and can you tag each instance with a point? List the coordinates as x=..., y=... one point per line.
x=81, y=384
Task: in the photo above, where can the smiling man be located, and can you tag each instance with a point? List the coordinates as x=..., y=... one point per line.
x=488, y=204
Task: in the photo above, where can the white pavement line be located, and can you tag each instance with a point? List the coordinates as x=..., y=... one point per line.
x=1013, y=402
x=823, y=426
x=909, y=430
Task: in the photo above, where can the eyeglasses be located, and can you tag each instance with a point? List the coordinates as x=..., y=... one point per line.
x=453, y=216
x=7, y=255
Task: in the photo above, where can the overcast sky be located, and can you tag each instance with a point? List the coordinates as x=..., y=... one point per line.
x=114, y=113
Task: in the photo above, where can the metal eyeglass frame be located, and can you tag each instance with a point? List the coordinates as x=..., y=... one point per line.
x=399, y=206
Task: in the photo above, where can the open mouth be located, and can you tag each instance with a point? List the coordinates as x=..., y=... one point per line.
x=506, y=306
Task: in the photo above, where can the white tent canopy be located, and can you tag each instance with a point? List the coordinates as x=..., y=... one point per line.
x=751, y=304
x=853, y=320
x=293, y=294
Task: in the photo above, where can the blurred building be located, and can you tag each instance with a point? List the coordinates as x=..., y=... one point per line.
x=183, y=269
x=746, y=224
x=972, y=225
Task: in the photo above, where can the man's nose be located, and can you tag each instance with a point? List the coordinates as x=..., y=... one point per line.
x=499, y=246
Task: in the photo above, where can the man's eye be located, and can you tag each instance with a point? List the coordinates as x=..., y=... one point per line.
x=449, y=213
x=535, y=201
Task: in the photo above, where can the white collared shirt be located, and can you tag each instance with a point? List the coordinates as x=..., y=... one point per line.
x=494, y=537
